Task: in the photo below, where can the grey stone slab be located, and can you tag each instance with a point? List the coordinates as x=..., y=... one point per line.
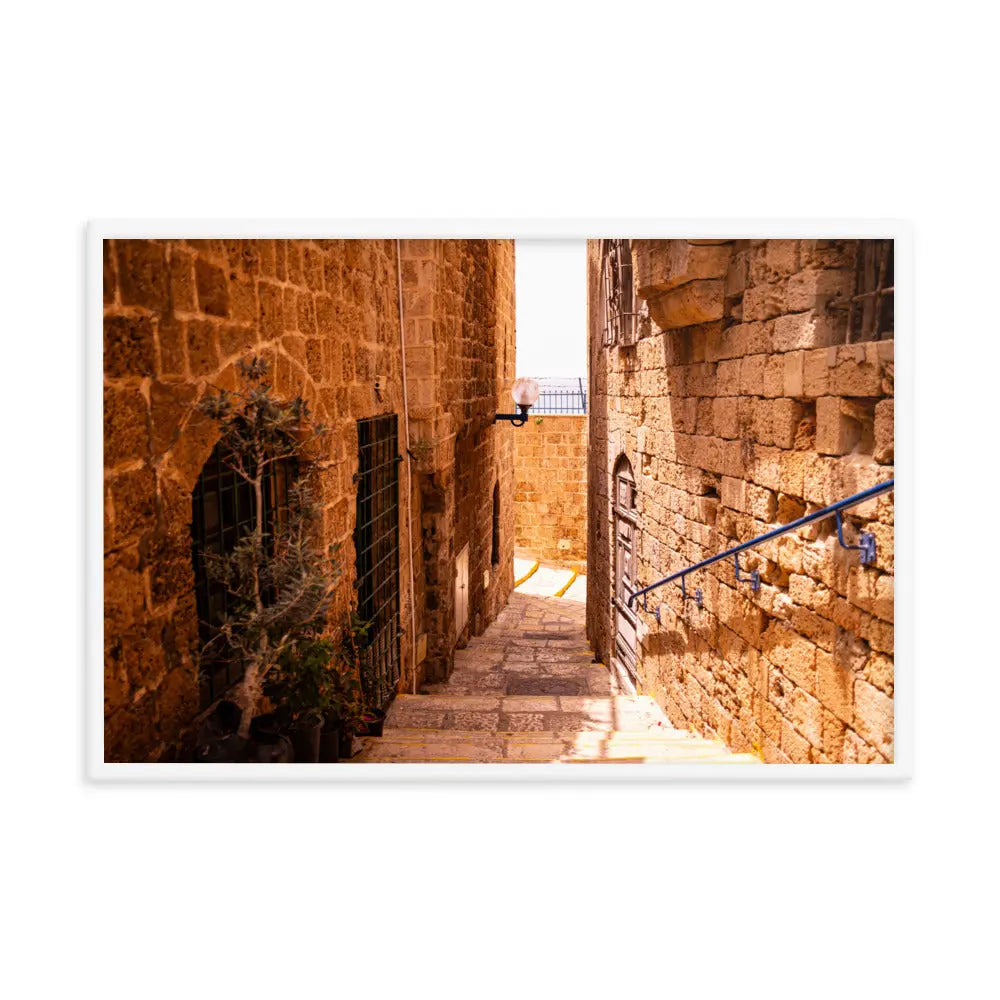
x=529, y=703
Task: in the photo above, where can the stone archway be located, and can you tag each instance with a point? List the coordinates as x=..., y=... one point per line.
x=151, y=621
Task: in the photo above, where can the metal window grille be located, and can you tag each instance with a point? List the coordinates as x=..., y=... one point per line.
x=222, y=508
x=567, y=398
x=376, y=540
x=870, y=309
x=619, y=293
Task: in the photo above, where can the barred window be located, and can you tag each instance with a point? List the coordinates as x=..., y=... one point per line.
x=619, y=293
x=870, y=309
x=222, y=508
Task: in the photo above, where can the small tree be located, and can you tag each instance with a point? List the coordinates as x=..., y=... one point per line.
x=281, y=580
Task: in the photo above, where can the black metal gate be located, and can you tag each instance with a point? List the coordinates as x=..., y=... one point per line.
x=376, y=541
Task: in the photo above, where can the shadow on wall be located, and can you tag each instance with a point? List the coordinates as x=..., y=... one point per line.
x=749, y=419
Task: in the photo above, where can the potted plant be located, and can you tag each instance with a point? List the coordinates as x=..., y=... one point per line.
x=359, y=717
x=342, y=720
x=280, y=579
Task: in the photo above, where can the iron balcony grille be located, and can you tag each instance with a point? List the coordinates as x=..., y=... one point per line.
x=222, y=514
x=376, y=540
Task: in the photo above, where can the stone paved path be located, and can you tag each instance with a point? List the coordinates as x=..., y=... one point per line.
x=526, y=690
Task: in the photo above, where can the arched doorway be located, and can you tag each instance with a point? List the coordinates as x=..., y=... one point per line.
x=222, y=512
x=625, y=523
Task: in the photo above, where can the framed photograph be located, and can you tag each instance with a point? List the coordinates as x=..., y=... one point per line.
x=491, y=500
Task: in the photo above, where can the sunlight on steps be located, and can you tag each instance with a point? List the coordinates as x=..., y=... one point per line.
x=528, y=691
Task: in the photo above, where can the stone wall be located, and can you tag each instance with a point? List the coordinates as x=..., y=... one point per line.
x=550, y=504
x=741, y=408
x=459, y=308
x=179, y=314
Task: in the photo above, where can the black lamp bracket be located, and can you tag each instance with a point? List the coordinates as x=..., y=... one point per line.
x=517, y=419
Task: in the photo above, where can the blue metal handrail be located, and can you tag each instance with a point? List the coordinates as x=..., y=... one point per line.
x=866, y=544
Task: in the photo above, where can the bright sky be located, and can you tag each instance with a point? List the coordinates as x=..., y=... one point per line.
x=551, y=296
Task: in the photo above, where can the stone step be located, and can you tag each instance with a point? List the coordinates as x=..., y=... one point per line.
x=581, y=737
x=525, y=713
x=537, y=678
x=543, y=747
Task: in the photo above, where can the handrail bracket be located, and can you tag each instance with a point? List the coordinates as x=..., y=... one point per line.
x=754, y=576
x=866, y=543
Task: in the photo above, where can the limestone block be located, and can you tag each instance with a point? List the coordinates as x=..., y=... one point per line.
x=696, y=302
x=213, y=288
x=856, y=371
x=760, y=421
x=143, y=278
x=764, y=302
x=773, y=260
x=727, y=378
x=826, y=253
x=761, y=503
x=835, y=687
x=766, y=470
x=857, y=751
x=793, y=372
x=752, y=375
x=725, y=344
x=808, y=289
x=182, y=286
x=833, y=737
x=733, y=493
x=128, y=346
x=796, y=746
x=837, y=432
x=816, y=366
x=884, y=449
x=804, y=331
x=785, y=417
x=873, y=716
x=774, y=377
x=879, y=671
x=126, y=425
x=724, y=417
x=663, y=265
x=793, y=653
x=806, y=715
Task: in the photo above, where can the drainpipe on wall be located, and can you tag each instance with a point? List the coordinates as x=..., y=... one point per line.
x=409, y=464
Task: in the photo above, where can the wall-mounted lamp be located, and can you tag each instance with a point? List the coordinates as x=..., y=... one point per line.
x=525, y=394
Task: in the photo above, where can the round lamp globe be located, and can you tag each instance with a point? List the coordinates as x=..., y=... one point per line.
x=525, y=392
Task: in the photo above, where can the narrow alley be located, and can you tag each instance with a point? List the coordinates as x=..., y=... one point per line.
x=527, y=691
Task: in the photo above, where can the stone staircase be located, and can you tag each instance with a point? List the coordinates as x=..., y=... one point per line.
x=527, y=691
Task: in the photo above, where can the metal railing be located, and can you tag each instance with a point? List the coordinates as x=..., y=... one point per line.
x=562, y=400
x=865, y=546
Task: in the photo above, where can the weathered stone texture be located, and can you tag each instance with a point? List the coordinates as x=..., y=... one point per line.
x=179, y=314
x=550, y=467
x=742, y=408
